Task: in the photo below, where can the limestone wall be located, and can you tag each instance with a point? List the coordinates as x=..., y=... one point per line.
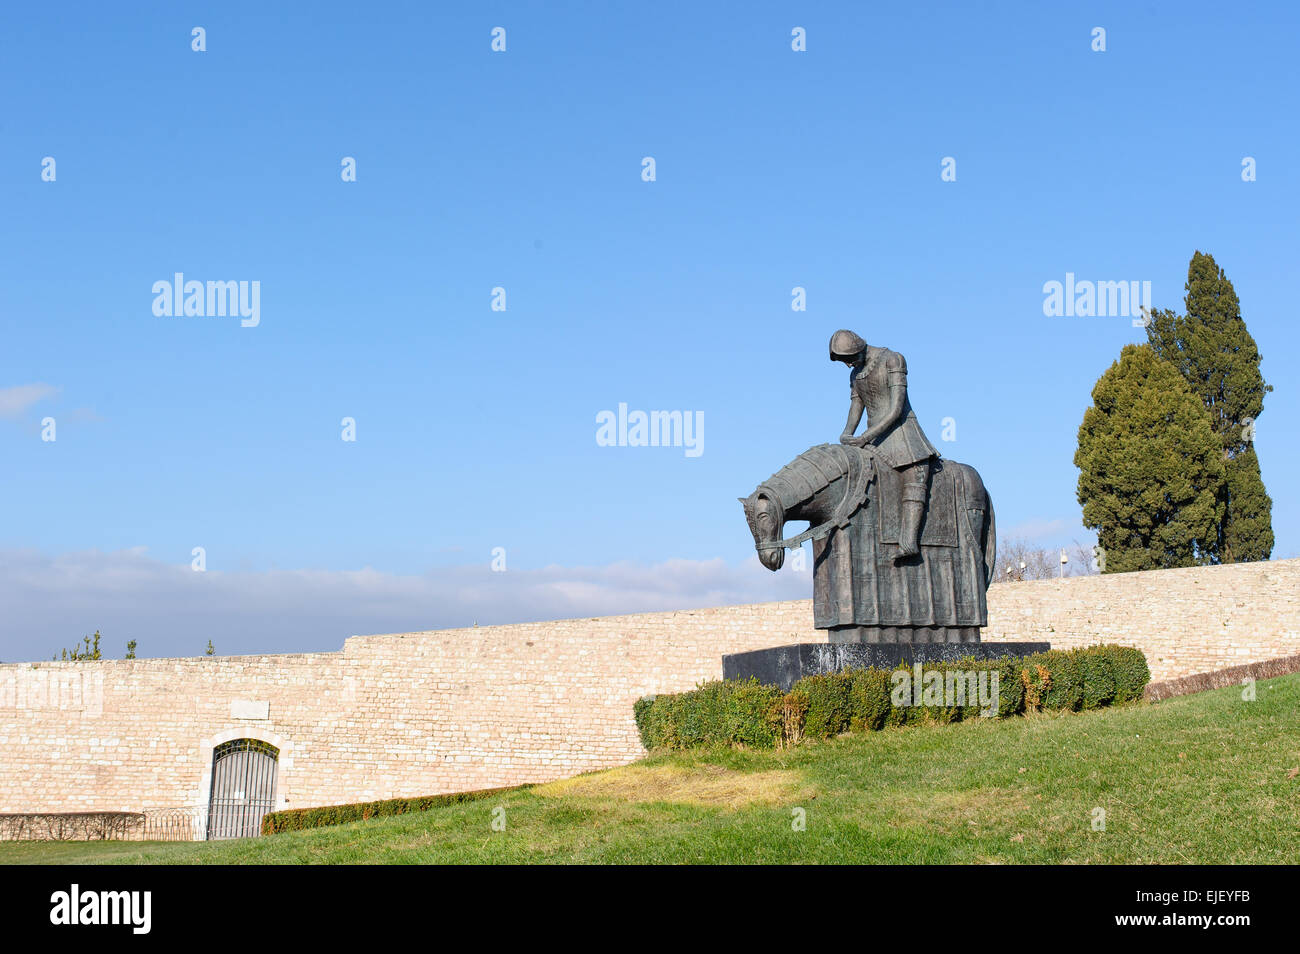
x=422, y=713
x=1186, y=621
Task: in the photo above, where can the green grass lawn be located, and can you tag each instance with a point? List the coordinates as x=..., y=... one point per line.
x=1205, y=778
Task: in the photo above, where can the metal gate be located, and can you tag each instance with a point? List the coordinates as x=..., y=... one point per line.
x=243, y=788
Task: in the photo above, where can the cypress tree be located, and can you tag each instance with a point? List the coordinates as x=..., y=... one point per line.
x=1217, y=356
x=1150, y=467
x=1247, y=533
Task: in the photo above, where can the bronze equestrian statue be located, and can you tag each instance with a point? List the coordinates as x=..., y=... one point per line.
x=904, y=542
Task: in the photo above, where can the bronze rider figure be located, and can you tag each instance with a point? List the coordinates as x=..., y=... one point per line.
x=878, y=385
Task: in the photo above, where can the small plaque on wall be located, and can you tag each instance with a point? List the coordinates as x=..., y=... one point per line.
x=249, y=709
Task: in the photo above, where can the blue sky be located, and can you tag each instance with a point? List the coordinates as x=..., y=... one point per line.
x=475, y=169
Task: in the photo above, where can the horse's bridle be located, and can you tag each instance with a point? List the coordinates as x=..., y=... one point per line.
x=854, y=495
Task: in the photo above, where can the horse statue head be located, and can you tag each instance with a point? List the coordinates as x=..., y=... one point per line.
x=766, y=520
x=825, y=485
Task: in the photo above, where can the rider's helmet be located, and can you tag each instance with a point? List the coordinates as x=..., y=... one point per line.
x=845, y=344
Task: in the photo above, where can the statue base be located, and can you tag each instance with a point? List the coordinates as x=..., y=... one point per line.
x=903, y=634
x=783, y=666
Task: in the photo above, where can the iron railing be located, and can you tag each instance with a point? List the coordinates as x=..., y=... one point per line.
x=242, y=793
x=152, y=824
x=174, y=824
x=70, y=826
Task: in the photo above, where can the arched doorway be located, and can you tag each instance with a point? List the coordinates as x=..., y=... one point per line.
x=243, y=788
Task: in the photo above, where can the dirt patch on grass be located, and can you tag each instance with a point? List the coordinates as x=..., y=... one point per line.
x=992, y=802
x=968, y=810
x=700, y=785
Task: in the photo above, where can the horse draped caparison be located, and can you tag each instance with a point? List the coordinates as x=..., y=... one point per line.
x=851, y=499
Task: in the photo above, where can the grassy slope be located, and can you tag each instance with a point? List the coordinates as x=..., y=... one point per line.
x=1197, y=779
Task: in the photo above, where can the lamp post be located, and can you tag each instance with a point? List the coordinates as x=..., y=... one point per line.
x=1064, y=560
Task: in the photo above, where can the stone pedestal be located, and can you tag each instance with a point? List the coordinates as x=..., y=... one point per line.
x=785, y=665
x=903, y=634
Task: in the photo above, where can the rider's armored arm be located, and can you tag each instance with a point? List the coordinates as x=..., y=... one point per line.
x=855, y=416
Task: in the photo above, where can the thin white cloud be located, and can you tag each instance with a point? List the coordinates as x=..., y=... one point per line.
x=17, y=399
x=52, y=601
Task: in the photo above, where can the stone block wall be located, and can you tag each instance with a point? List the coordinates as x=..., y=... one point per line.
x=454, y=710
x=1187, y=621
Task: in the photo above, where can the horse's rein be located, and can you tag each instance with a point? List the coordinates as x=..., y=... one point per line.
x=845, y=509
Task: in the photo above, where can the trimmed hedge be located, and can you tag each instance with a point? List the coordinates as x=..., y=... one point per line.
x=299, y=819
x=747, y=713
x=1131, y=672
x=828, y=712
x=731, y=712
